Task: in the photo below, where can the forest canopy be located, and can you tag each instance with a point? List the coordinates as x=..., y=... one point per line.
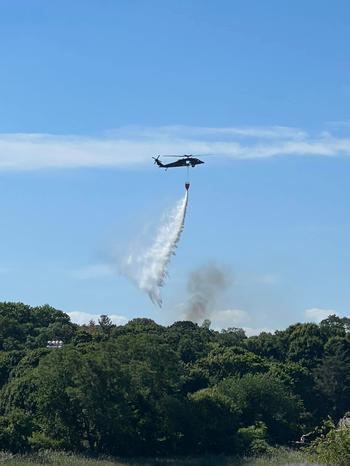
x=146, y=389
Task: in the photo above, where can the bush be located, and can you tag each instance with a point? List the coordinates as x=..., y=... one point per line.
x=332, y=448
x=254, y=439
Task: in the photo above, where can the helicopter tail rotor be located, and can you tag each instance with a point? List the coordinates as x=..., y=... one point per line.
x=157, y=161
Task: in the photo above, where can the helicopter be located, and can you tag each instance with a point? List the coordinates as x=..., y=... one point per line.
x=183, y=161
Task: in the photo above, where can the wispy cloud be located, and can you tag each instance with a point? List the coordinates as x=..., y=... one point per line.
x=316, y=314
x=249, y=331
x=129, y=146
x=229, y=318
x=82, y=318
x=236, y=318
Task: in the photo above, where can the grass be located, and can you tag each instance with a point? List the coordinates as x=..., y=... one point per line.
x=281, y=458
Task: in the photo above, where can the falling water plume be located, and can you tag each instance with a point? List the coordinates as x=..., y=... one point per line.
x=149, y=269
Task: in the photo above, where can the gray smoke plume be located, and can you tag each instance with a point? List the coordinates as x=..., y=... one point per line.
x=204, y=287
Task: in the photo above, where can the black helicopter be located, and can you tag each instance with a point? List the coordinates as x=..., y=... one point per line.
x=184, y=161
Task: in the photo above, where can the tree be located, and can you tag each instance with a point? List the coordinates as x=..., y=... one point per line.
x=332, y=378
x=106, y=325
x=267, y=345
x=23, y=326
x=8, y=361
x=214, y=421
x=264, y=398
x=155, y=390
x=222, y=362
x=231, y=336
x=305, y=344
x=333, y=447
x=335, y=326
x=189, y=340
x=105, y=397
x=15, y=429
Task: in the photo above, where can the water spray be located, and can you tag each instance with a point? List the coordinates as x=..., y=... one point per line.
x=149, y=269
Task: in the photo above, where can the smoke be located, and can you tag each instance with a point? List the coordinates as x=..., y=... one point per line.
x=204, y=287
x=148, y=269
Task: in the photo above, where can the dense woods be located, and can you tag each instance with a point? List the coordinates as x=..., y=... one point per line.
x=146, y=389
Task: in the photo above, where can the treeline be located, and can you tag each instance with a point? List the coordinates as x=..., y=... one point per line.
x=146, y=389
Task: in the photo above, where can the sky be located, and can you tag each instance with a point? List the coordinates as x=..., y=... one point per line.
x=90, y=91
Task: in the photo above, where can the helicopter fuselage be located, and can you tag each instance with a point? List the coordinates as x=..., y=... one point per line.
x=182, y=162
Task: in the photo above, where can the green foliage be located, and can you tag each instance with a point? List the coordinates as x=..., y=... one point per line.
x=104, y=399
x=332, y=377
x=15, y=429
x=23, y=326
x=266, y=345
x=8, y=361
x=305, y=344
x=215, y=422
x=231, y=336
x=265, y=398
x=189, y=340
x=254, y=439
x=222, y=362
x=332, y=448
x=335, y=326
x=146, y=389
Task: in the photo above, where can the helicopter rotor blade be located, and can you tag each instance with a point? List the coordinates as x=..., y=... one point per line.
x=189, y=155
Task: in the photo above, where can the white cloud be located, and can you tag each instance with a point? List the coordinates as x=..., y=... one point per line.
x=316, y=314
x=236, y=318
x=92, y=272
x=262, y=132
x=256, y=331
x=132, y=146
x=84, y=318
x=229, y=318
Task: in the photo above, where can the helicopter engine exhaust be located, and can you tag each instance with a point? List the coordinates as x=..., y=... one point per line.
x=149, y=268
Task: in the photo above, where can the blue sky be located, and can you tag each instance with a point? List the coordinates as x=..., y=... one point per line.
x=90, y=90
